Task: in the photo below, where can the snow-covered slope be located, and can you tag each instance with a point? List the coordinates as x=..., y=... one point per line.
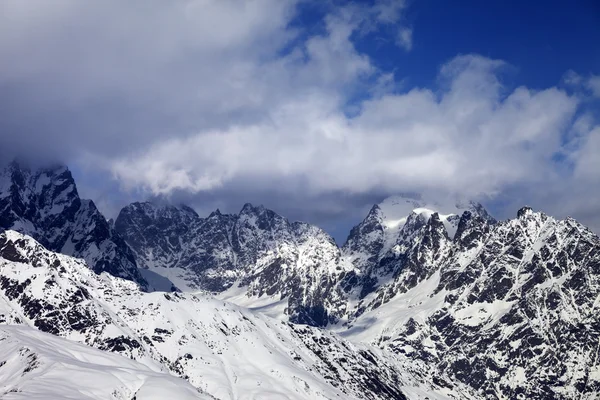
x=39, y=366
x=222, y=349
x=45, y=204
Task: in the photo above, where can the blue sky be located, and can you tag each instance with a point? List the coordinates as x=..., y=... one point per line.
x=315, y=109
x=542, y=40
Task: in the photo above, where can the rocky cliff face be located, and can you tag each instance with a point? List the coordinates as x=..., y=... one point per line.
x=385, y=244
x=45, y=204
x=267, y=257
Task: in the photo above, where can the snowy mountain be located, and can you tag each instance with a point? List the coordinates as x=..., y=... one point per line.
x=431, y=299
x=44, y=204
x=400, y=243
x=221, y=349
x=390, y=222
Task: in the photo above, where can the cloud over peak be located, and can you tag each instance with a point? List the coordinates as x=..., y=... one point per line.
x=234, y=98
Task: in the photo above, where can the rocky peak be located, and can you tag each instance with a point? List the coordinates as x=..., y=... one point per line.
x=366, y=238
x=471, y=229
x=250, y=211
x=259, y=249
x=164, y=236
x=12, y=204
x=43, y=195
x=217, y=215
x=528, y=222
x=479, y=210
x=429, y=244
x=248, y=208
x=394, y=221
x=435, y=228
x=524, y=211
x=414, y=222
x=260, y=218
x=258, y=230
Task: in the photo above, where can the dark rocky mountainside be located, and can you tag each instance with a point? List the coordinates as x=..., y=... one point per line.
x=510, y=311
x=265, y=256
x=45, y=205
x=256, y=249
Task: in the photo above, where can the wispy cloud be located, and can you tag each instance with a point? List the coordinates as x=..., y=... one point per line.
x=404, y=38
x=593, y=84
x=589, y=83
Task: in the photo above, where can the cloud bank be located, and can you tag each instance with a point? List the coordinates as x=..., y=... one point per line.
x=224, y=101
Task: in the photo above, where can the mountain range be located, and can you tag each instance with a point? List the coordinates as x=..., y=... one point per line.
x=425, y=299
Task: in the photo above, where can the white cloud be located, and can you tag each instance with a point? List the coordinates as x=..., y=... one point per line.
x=388, y=11
x=391, y=12
x=388, y=14
x=587, y=158
x=141, y=68
x=572, y=78
x=469, y=137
